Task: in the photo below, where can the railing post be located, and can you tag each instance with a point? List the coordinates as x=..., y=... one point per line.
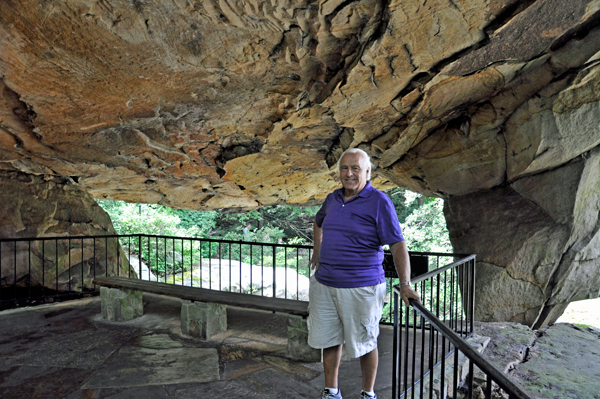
x=473, y=262
x=82, y=279
x=95, y=261
x=285, y=271
x=56, y=263
x=252, y=269
x=15, y=267
x=220, y=266
x=249, y=271
x=1, y=270
x=69, y=250
x=443, y=367
x=43, y=269
x=210, y=264
x=192, y=262
x=274, y=263
x=421, y=385
x=140, y=258
x=395, y=344
x=432, y=348
x=29, y=271
x=105, y=257
x=118, y=253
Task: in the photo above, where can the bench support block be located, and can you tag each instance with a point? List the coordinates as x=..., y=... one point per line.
x=297, y=343
x=203, y=320
x=121, y=304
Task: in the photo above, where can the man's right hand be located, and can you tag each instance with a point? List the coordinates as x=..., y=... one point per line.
x=406, y=293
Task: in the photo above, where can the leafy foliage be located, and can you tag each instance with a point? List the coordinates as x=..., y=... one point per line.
x=269, y=224
x=421, y=218
x=157, y=219
x=425, y=226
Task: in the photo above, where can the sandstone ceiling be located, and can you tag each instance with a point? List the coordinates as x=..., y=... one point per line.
x=492, y=105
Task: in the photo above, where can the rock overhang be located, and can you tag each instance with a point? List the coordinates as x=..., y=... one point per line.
x=236, y=105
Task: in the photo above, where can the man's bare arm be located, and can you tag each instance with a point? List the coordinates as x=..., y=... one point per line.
x=402, y=263
x=317, y=238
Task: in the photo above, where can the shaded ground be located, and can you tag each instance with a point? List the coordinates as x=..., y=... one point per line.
x=67, y=350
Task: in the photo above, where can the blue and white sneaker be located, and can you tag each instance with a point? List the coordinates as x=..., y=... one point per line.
x=326, y=394
x=364, y=395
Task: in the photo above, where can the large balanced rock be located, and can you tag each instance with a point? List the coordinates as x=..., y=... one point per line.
x=491, y=105
x=546, y=246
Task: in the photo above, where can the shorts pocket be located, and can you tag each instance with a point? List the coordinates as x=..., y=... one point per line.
x=368, y=292
x=370, y=326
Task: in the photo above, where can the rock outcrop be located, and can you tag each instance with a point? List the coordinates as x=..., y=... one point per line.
x=493, y=105
x=557, y=361
x=51, y=206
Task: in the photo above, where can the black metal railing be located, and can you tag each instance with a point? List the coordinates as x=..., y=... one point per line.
x=278, y=270
x=37, y=270
x=431, y=358
x=423, y=263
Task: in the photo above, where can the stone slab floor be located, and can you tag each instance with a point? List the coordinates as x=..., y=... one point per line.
x=66, y=350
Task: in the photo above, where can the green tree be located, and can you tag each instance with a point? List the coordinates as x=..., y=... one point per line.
x=424, y=227
x=269, y=223
x=128, y=218
x=422, y=220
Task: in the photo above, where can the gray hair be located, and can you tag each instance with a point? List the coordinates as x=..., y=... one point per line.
x=365, y=160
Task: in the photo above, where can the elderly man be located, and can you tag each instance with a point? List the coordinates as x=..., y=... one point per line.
x=348, y=288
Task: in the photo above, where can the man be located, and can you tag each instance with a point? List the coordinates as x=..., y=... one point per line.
x=348, y=288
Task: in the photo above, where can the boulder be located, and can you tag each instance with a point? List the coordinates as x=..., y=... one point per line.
x=236, y=276
x=38, y=207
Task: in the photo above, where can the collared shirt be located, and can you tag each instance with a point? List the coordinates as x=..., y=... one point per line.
x=353, y=234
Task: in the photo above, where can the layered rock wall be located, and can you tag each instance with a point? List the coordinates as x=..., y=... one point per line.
x=35, y=206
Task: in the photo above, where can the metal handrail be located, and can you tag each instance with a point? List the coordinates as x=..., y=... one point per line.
x=449, y=291
x=514, y=390
x=422, y=277
x=492, y=373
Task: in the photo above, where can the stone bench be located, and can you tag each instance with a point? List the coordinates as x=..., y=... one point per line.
x=203, y=311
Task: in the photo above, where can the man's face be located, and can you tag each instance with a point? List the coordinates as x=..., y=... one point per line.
x=352, y=174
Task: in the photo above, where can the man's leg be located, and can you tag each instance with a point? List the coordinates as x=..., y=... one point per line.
x=368, y=366
x=331, y=364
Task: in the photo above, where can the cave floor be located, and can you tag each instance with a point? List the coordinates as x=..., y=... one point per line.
x=66, y=350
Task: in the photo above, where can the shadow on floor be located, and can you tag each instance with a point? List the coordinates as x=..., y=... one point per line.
x=67, y=350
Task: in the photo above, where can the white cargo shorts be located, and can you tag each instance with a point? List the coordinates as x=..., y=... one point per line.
x=348, y=316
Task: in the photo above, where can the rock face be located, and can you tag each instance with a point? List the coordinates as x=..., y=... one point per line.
x=493, y=105
x=50, y=206
x=546, y=246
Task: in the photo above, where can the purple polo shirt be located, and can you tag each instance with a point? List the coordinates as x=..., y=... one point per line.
x=353, y=233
